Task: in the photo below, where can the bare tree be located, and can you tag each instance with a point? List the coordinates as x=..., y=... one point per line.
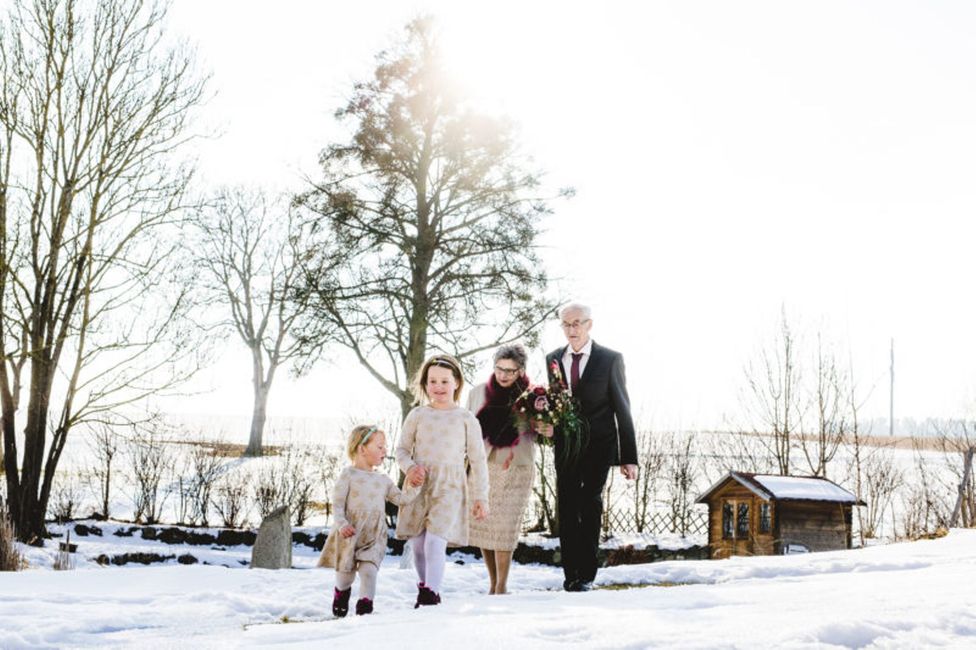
x=149, y=463
x=856, y=469
x=182, y=489
x=93, y=107
x=270, y=489
x=231, y=502
x=328, y=467
x=742, y=450
x=651, y=461
x=544, y=490
x=774, y=399
x=881, y=479
x=300, y=483
x=205, y=468
x=252, y=247
x=611, y=519
x=66, y=497
x=439, y=220
x=961, y=444
x=680, y=476
x=104, y=441
x=964, y=512
x=831, y=412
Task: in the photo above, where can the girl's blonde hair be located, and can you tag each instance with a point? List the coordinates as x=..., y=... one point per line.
x=442, y=361
x=360, y=436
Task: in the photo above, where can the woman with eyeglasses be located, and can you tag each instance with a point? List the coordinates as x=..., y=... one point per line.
x=511, y=464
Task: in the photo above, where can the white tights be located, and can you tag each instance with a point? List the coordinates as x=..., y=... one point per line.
x=429, y=557
x=367, y=579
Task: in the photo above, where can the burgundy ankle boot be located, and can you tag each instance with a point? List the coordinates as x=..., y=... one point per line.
x=340, y=602
x=427, y=596
x=364, y=606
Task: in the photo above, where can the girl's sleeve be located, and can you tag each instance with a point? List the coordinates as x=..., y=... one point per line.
x=476, y=458
x=400, y=497
x=408, y=437
x=339, y=493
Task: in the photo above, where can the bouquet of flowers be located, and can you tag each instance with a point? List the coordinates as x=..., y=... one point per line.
x=554, y=405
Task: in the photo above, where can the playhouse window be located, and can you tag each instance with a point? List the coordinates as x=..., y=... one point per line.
x=742, y=520
x=727, y=520
x=765, y=521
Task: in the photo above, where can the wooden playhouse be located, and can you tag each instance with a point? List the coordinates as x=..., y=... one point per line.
x=763, y=514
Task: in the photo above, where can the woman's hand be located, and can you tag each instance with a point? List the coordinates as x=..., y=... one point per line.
x=544, y=429
x=509, y=459
x=480, y=510
x=347, y=531
x=416, y=475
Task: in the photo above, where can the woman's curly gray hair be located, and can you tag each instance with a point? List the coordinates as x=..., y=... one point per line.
x=513, y=352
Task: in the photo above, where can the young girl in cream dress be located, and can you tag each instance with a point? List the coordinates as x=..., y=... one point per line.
x=442, y=439
x=357, y=541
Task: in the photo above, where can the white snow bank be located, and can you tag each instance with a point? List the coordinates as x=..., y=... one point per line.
x=900, y=596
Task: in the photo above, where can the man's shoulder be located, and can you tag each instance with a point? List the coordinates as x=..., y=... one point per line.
x=603, y=350
x=555, y=354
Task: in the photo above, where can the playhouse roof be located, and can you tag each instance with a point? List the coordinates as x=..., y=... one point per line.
x=787, y=488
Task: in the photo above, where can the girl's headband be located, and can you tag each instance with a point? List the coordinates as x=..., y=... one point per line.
x=443, y=362
x=365, y=439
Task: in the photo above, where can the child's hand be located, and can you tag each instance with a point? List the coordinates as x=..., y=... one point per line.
x=416, y=475
x=347, y=531
x=544, y=429
x=480, y=510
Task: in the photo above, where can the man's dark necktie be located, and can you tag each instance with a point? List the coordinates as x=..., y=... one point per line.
x=574, y=373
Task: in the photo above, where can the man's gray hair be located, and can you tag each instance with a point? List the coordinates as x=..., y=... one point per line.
x=575, y=306
x=513, y=352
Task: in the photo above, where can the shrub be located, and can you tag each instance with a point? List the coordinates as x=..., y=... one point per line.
x=10, y=558
x=232, y=499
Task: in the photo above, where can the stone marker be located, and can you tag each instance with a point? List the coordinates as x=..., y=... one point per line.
x=272, y=547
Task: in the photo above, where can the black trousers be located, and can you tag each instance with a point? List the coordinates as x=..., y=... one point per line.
x=579, y=491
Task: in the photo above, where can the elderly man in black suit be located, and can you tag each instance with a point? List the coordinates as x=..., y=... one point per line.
x=595, y=376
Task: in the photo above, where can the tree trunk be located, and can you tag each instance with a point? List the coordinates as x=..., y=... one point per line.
x=106, y=490
x=963, y=484
x=255, y=445
x=29, y=502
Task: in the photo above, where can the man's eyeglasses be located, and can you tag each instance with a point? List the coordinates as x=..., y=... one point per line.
x=506, y=372
x=576, y=324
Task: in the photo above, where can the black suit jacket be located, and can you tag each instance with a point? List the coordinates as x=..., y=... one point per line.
x=603, y=398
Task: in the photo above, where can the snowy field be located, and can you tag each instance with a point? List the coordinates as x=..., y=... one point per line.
x=910, y=595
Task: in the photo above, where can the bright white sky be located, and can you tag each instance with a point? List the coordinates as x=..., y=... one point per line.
x=729, y=158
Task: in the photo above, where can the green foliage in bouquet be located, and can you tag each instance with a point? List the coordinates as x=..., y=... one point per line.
x=554, y=405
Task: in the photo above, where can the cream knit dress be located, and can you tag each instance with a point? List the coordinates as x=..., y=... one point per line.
x=444, y=441
x=509, y=488
x=359, y=499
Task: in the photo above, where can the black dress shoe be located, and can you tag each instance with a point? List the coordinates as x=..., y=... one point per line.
x=578, y=585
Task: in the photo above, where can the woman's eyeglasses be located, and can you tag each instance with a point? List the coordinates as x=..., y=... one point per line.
x=506, y=372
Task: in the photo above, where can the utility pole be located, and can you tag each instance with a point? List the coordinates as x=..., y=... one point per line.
x=891, y=397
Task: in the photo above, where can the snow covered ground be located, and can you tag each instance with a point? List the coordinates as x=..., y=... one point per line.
x=910, y=595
